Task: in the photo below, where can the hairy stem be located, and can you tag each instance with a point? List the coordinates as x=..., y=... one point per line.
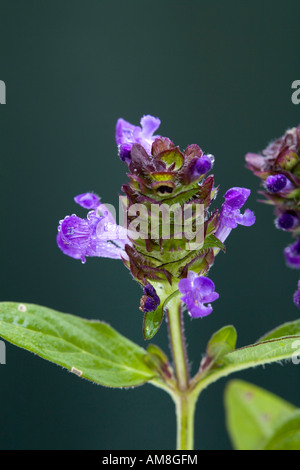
x=177, y=343
x=184, y=401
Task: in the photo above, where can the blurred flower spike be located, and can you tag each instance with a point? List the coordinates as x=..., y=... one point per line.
x=278, y=167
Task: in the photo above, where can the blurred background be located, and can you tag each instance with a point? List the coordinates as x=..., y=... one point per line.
x=218, y=74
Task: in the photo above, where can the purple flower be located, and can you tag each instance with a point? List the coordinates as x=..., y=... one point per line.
x=127, y=134
x=150, y=300
x=287, y=221
x=97, y=235
x=198, y=290
x=296, y=297
x=292, y=255
x=230, y=215
x=201, y=166
x=278, y=183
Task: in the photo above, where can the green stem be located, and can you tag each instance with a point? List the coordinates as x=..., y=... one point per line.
x=185, y=411
x=184, y=401
x=177, y=342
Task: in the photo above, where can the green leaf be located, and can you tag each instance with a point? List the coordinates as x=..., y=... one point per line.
x=213, y=242
x=287, y=435
x=273, y=350
x=172, y=156
x=222, y=342
x=287, y=329
x=266, y=352
x=252, y=414
x=153, y=320
x=90, y=349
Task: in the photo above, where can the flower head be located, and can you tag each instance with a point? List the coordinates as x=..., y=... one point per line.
x=198, y=291
x=175, y=182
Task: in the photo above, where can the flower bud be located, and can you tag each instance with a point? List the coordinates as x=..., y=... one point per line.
x=287, y=221
x=276, y=183
x=201, y=166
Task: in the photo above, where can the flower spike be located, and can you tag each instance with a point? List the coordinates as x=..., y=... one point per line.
x=170, y=237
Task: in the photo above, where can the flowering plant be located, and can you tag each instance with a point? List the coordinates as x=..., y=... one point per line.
x=168, y=240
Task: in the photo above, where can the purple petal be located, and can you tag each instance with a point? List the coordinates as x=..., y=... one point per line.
x=287, y=221
x=192, y=276
x=211, y=297
x=236, y=197
x=200, y=311
x=124, y=132
x=127, y=135
x=247, y=219
x=103, y=211
x=276, y=183
x=296, y=297
x=112, y=232
x=228, y=216
x=204, y=285
x=124, y=152
x=74, y=231
x=105, y=250
x=149, y=125
x=201, y=166
x=67, y=249
x=185, y=286
x=88, y=200
x=292, y=255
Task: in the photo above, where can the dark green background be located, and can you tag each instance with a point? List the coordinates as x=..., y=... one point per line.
x=217, y=73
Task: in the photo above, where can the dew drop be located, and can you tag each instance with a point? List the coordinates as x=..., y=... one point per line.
x=22, y=308
x=211, y=157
